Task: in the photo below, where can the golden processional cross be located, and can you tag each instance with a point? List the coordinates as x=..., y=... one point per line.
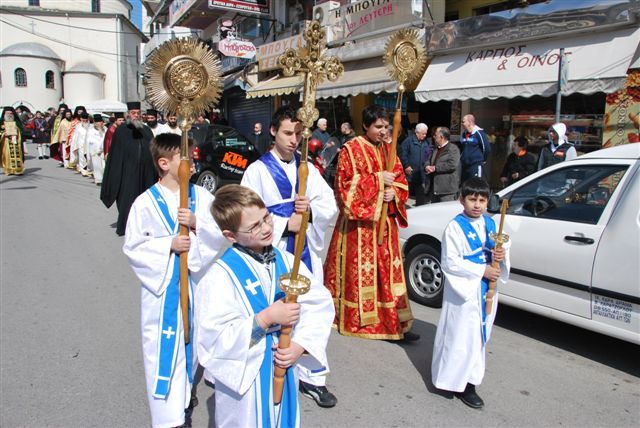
x=314, y=67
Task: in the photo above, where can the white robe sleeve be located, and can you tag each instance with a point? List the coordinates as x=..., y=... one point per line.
x=253, y=178
x=208, y=241
x=149, y=251
x=316, y=317
x=147, y=244
x=323, y=209
x=463, y=275
x=223, y=333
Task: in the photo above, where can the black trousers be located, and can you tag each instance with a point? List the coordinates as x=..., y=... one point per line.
x=417, y=188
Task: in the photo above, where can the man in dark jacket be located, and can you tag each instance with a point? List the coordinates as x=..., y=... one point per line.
x=475, y=149
x=520, y=163
x=443, y=170
x=414, y=153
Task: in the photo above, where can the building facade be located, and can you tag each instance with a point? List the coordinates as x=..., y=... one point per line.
x=91, y=47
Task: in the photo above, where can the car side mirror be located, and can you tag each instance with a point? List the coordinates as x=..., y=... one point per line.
x=494, y=204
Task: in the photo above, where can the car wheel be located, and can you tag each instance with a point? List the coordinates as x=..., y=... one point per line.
x=425, y=279
x=208, y=180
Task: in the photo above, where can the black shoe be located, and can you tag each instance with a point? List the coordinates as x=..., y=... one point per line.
x=320, y=394
x=470, y=398
x=46, y=157
x=39, y=157
x=411, y=336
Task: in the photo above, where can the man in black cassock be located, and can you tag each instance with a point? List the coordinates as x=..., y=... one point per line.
x=129, y=169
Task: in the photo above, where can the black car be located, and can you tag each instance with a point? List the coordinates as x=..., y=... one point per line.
x=221, y=157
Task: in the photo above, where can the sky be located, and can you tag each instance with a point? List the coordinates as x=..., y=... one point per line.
x=136, y=13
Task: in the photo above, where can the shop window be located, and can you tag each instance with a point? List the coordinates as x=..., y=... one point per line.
x=34, y=2
x=451, y=16
x=49, y=79
x=95, y=6
x=21, y=77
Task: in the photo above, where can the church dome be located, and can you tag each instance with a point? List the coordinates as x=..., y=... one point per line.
x=84, y=67
x=30, y=49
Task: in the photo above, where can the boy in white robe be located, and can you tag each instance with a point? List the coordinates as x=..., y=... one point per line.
x=275, y=177
x=239, y=311
x=95, y=142
x=464, y=328
x=153, y=246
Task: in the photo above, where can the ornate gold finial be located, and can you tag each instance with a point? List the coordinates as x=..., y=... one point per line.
x=405, y=58
x=183, y=77
x=309, y=62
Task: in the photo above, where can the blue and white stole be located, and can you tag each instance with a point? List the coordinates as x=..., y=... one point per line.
x=480, y=254
x=285, y=209
x=255, y=300
x=169, y=318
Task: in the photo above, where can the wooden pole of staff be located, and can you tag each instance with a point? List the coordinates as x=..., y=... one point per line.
x=391, y=160
x=294, y=278
x=184, y=172
x=499, y=238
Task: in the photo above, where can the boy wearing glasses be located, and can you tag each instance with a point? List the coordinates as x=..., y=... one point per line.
x=274, y=177
x=239, y=311
x=153, y=247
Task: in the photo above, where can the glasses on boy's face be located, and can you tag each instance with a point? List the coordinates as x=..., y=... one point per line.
x=257, y=228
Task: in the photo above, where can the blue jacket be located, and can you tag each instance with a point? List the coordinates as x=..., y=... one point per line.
x=475, y=148
x=415, y=154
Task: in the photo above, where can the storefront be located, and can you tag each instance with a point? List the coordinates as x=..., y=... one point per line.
x=511, y=87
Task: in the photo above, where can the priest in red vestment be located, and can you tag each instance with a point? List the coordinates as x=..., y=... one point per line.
x=108, y=136
x=366, y=280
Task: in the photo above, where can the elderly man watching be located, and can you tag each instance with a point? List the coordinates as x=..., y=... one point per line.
x=414, y=153
x=320, y=132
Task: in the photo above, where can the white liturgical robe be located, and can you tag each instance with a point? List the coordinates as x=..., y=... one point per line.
x=323, y=205
x=147, y=244
x=459, y=349
x=230, y=353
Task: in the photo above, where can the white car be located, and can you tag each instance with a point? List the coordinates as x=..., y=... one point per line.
x=575, y=243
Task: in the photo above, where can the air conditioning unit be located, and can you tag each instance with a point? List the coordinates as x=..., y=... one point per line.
x=322, y=14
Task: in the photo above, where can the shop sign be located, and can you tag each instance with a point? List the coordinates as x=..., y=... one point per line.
x=517, y=57
x=366, y=16
x=622, y=113
x=255, y=6
x=177, y=9
x=268, y=54
x=237, y=48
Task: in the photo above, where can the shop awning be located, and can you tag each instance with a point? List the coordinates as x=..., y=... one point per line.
x=594, y=63
x=278, y=85
x=354, y=82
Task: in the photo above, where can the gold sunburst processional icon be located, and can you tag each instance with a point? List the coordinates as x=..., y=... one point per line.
x=405, y=58
x=183, y=77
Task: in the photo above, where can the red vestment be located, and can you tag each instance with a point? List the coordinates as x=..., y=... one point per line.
x=107, y=139
x=365, y=279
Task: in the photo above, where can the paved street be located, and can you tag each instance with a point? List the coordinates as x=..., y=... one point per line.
x=70, y=352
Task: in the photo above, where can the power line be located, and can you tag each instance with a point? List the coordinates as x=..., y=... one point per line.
x=81, y=28
x=66, y=43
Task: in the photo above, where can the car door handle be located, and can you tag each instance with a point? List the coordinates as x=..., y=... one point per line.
x=579, y=239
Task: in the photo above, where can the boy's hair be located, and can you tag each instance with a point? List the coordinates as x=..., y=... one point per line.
x=475, y=186
x=283, y=113
x=373, y=113
x=229, y=203
x=165, y=146
x=522, y=142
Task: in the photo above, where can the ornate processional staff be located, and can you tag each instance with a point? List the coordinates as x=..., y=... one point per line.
x=500, y=239
x=183, y=77
x=406, y=61
x=315, y=68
